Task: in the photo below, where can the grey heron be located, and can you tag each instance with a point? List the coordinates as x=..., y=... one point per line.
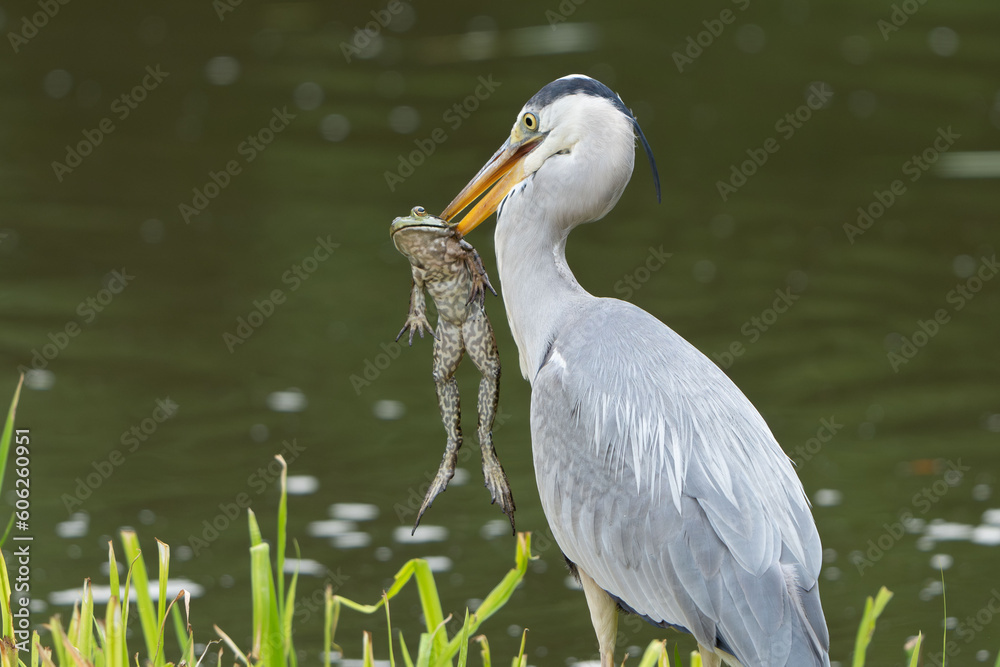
x=663, y=486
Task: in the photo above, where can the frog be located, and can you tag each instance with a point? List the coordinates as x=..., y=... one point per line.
x=452, y=272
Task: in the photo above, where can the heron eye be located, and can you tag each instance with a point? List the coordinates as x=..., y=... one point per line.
x=530, y=121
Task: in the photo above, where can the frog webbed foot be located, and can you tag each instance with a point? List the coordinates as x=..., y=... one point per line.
x=440, y=483
x=499, y=487
x=416, y=322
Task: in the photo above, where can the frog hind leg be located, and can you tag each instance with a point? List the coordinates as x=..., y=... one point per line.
x=482, y=348
x=448, y=352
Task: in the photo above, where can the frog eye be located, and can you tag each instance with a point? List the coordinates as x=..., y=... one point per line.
x=530, y=121
x=418, y=210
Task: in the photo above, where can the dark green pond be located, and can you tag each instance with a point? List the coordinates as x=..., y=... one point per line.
x=242, y=190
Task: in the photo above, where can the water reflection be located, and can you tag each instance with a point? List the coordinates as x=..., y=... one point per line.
x=420, y=535
x=354, y=511
x=102, y=594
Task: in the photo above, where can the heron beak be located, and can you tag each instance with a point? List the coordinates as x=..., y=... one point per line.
x=505, y=169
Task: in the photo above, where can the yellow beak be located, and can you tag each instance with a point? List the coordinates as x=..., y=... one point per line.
x=505, y=169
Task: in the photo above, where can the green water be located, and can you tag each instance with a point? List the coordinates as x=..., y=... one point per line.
x=299, y=231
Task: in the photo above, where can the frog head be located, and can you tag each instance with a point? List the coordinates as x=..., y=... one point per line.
x=422, y=222
x=420, y=235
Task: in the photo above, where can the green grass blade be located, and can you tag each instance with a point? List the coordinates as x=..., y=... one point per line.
x=424, y=650
x=282, y=524
x=915, y=652
x=147, y=613
x=163, y=555
x=944, y=626
x=190, y=632
x=116, y=591
x=114, y=634
x=522, y=659
x=873, y=609
x=232, y=646
x=6, y=532
x=463, y=651
x=331, y=615
x=696, y=659
x=125, y=600
x=653, y=652
x=8, y=430
x=286, y=620
x=388, y=624
x=74, y=623
x=484, y=650
x=5, y=440
x=368, y=651
x=8, y=617
x=58, y=637
x=85, y=630
x=180, y=631
x=403, y=650
x=267, y=629
x=430, y=603
x=255, y=536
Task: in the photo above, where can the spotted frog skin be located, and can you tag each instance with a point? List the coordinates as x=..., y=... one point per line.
x=452, y=272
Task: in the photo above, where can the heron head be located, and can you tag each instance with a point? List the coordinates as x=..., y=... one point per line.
x=577, y=137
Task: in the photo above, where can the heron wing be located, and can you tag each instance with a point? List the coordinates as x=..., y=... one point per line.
x=662, y=481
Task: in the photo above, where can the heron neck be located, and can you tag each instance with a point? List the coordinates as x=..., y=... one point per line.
x=539, y=290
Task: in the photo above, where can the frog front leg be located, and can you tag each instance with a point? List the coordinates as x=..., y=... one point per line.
x=416, y=320
x=448, y=352
x=482, y=348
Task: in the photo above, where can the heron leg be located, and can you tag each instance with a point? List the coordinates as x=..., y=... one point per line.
x=604, y=616
x=482, y=348
x=709, y=658
x=448, y=352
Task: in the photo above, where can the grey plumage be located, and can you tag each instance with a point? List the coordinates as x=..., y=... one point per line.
x=667, y=488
